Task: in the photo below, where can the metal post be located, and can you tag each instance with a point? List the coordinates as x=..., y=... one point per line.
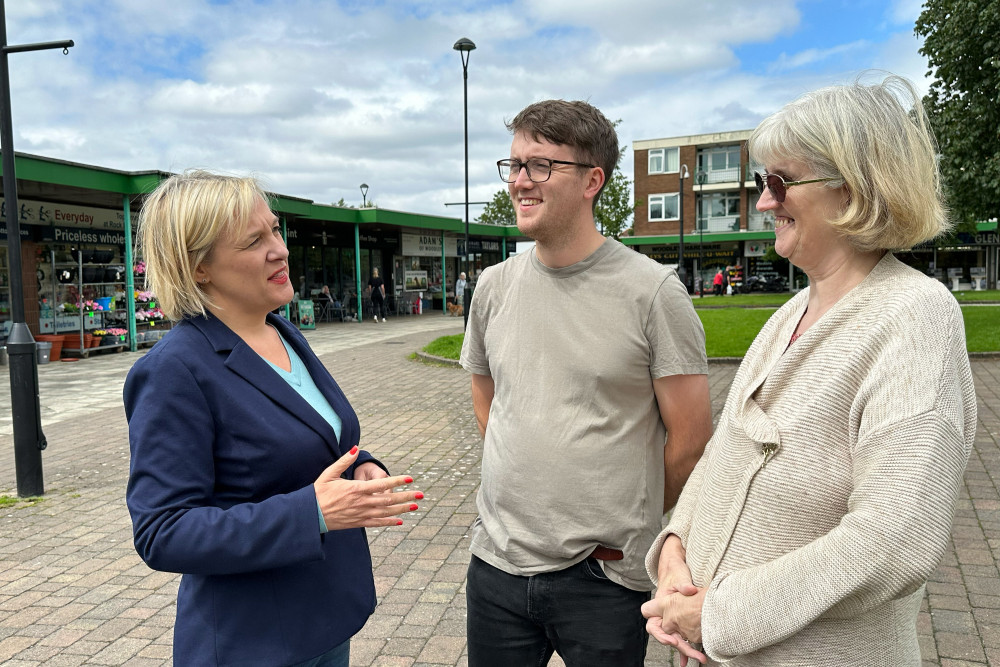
x=465, y=47
x=357, y=268
x=681, y=271
x=129, y=271
x=702, y=177
x=29, y=441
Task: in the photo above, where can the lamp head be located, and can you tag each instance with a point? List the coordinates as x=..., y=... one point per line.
x=464, y=44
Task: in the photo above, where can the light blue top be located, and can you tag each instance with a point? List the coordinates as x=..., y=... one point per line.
x=300, y=380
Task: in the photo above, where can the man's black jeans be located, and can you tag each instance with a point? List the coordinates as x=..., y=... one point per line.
x=519, y=621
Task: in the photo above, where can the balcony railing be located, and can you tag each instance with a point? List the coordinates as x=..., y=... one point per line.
x=722, y=175
x=710, y=225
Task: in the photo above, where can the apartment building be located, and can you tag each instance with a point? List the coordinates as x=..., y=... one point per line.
x=696, y=208
x=699, y=191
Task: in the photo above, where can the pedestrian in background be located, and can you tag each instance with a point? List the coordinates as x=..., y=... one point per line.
x=246, y=475
x=376, y=288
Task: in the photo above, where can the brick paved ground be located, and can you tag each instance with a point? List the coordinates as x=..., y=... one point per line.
x=73, y=591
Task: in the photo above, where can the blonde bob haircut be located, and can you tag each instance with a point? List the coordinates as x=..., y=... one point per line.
x=875, y=141
x=180, y=222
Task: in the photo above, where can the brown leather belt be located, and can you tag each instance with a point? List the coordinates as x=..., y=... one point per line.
x=607, y=553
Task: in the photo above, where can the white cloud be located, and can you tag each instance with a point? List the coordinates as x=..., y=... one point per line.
x=319, y=96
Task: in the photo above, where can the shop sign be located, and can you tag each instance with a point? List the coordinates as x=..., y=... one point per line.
x=480, y=245
x=755, y=248
x=663, y=253
x=416, y=281
x=369, y=240
x=979, y=238
x=32, y=212
x=25, y=232
x=83, y=236
x=428, y=245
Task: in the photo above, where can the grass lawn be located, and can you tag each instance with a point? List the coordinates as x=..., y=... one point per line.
x=741, y=300
x=982, y=328
x=729, y=331
x=449, y=347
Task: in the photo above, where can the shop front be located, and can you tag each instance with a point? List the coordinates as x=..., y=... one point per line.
x=74, y=278
x=426, y=268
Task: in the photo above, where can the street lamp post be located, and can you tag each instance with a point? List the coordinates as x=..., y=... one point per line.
x=465, y=46
x=681, y=271
x=364, y=195
x=29, y=441
x=701, y=177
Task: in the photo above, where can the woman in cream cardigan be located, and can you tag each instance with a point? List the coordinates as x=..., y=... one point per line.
x=825, y=498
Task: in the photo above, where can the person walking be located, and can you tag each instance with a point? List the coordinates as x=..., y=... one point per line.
x=717, y=283
x=246, y=476
x=376, y=287
x=460, y=285
x=825, y=499
x=592, y=417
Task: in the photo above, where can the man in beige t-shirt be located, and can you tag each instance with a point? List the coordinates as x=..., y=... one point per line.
x=589, y=383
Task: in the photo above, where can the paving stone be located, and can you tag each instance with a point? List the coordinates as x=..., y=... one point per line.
x=73, y=591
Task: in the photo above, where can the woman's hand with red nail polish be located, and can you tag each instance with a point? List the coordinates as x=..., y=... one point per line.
x=366, y=501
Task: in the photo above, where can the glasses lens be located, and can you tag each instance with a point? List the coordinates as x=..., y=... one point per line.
x=539, y=169
x=507, y=173
x=774, y=184
x=777, y=187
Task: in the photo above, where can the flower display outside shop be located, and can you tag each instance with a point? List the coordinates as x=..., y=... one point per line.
x=148, y=315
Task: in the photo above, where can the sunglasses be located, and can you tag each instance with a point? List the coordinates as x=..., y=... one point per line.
x=777, y=185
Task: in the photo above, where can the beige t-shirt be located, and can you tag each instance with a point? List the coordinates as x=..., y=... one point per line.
x=573, y=456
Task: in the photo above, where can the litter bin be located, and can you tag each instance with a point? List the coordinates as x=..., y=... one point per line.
x=44, y=350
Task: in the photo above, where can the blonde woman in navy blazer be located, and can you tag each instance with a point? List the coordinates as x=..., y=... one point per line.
x=246, y=475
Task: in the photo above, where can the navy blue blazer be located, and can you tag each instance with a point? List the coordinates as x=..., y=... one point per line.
x=224, y=456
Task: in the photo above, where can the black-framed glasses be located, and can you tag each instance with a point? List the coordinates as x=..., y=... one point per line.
x=778, y=185
x=539, y=168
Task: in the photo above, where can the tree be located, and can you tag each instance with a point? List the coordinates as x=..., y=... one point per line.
x=962, y=45
x=613, y=208
x=500, y=211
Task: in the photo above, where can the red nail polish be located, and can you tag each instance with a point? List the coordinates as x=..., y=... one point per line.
x=414, y=507
x=408, y=480
x=354, y=450
x=419, y=495
x=399, y=522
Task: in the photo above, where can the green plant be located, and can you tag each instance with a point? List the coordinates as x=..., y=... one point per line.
x=10, y=501
x=448, y=347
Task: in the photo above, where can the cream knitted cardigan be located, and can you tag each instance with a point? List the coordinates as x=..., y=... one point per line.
x=819, y=556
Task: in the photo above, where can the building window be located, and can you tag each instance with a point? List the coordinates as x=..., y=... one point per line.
x=719, y=212
x=721, y=164
x=664, y=160
x=663, y=207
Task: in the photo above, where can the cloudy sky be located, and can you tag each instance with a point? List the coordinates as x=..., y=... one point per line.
x=318, y=96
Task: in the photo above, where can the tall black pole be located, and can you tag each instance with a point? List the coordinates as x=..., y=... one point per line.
x=465, y=47
x=29, y=441
x=701, y=231
x=681, y=271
